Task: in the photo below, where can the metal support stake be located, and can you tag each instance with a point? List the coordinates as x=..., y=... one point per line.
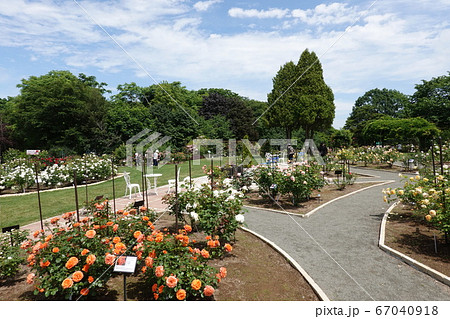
x=76, y=194
x=39, y=196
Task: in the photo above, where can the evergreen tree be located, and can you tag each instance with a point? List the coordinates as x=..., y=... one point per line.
x=300, y=97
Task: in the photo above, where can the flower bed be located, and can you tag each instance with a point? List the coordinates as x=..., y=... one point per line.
x=19, y=175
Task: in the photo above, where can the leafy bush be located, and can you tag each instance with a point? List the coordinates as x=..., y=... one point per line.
x=11, y=256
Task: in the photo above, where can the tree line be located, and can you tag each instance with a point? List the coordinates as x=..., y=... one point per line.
x=68, y=114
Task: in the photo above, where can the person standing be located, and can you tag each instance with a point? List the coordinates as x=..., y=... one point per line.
x=323, y=150
x=155, y=158
x=291, y=153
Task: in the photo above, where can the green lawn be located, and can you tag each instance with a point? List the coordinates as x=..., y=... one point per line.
x=24, y=209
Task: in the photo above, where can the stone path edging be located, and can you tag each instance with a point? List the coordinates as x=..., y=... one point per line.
x=293, y=263
x=324, y=204
x=408, y=260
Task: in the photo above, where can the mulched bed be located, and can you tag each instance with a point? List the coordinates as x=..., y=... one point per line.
x=413, y=236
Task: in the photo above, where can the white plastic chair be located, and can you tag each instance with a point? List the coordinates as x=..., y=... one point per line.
x=172, y=182
x=130, y=186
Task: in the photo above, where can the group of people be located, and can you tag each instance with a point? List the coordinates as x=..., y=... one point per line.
x=323, y=151
x=156, y=156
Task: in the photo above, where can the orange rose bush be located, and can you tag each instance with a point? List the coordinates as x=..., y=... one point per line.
x=174, y=269
x=74, y=258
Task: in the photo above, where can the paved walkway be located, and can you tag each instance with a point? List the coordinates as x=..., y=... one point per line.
x=338, y=248
x=154, y=202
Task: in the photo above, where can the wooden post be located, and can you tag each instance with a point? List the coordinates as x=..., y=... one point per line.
x=39, y=196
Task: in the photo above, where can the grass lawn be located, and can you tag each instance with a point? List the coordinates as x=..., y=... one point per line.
x=24, y=209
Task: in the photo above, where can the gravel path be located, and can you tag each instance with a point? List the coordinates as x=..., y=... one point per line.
x=338, y=248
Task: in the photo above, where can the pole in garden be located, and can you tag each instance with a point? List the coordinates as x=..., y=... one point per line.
x=440, y=156
x=76, y=194
x=142, y=175
x=145, y=181
x=39, y=195
x=176, y=196
x=434, y=164
x=190, y=169
x=212, y=174
x=113, y=186
x=86, y=179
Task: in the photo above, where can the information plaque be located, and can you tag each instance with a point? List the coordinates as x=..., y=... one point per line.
x=125, y=264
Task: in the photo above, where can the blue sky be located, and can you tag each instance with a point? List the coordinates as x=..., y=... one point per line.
x=237, y=45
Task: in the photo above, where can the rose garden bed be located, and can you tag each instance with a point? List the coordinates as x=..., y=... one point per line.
x=414, y=237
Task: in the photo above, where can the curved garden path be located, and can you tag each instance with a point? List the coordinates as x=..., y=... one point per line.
x=338, y=247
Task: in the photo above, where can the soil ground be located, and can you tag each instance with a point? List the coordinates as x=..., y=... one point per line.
x=327, y=193
x=413, y=236
x=255, y=272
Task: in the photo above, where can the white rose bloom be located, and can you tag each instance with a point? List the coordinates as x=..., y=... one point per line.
x=240, y=218
x=194, y=216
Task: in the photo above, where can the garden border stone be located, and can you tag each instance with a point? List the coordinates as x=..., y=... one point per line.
x=406, y=259
x=296, y=265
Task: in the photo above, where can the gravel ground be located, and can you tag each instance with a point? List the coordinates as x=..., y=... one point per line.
x=338, y=247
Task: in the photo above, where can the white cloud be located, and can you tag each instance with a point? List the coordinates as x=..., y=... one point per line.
x=323, y=14
x=260, y=14
x=386, y=47
x=205, y=5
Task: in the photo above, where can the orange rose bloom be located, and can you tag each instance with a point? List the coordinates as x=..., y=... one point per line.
x=110, y=223
x=91, y=259
x=54, y=220
x=84, y=291
x=55, y=250
x=187, y=228
x=144, y=269
x=86, y=268
x=84, y=252
x=71, y=262
x=208, y=291
x=196, y=284
x=46, y=264
x=116, y=240
x=171, y=281
x=77, y=276
x=76, y=224
x=36, y=233
x=137, y=234
x=228, y=247
x=155, y=296
x=90, y=233
x=115, y=227
x=48, y=237
x=90, y=279
x=181, y=294
x=30, y=278
x=159, y=271
x=67, y=283
x=109, y=259
x=145, y=218
x=223, y=272
x=204, y=253
x=154, y=287
x=149, y=262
